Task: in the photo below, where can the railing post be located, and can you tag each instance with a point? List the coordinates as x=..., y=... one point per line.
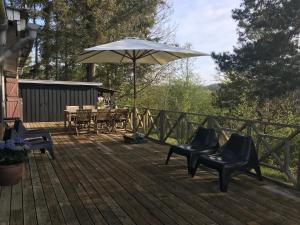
x=249, y=128
x=162, y=131
x=298, y=172
x=286, y=155
x=144, y=121
x=131, y=119
x=147, y=120
x=210, y=122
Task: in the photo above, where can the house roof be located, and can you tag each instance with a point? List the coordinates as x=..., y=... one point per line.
x=58, y=82
x=72, y=83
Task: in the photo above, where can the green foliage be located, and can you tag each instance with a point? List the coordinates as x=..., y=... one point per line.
x=266, y=61
x=283, y=109
x=177, y=95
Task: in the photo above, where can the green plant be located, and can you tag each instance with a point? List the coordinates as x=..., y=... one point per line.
x=99, y=104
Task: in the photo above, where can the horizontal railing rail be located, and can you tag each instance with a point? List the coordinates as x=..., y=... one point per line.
x=278, y=144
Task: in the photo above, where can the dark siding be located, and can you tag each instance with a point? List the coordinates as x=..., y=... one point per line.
x=47, y=102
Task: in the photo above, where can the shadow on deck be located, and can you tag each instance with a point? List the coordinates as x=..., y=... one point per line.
x=100, y=180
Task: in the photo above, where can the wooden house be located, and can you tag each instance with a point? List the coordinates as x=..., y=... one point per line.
x=16, y=44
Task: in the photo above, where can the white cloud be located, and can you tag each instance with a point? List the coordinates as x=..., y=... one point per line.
x=208, y=26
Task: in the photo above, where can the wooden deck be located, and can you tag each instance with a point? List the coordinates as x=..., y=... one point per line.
x=100, y=180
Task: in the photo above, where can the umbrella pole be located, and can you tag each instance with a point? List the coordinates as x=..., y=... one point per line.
x=134, y=124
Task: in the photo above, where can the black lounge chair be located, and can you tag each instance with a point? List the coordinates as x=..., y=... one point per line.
x=205, y=141
x=38, y=138
x=237, y=154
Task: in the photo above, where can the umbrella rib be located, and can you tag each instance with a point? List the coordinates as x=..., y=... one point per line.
x=136, y=54
x=155, y=59
x=143, y=54
x=128, y=55
x=83, y=53
x=118, y=53
x=123, y=56
x=172, y=55
x=91, y=56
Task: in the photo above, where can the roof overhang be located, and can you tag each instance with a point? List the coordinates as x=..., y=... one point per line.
x=56, y=82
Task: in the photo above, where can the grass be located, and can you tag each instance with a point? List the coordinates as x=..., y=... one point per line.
x=170, y=141
x=274, y=174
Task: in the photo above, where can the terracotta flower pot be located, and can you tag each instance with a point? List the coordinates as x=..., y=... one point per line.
x=11, y=174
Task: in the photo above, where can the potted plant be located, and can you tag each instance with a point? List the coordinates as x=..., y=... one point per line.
x=136, y=138
x=100, y=103
x=13, y=154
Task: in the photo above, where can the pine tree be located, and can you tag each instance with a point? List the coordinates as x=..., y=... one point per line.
x=266, y=61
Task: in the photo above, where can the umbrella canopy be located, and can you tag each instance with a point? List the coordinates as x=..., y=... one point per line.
x=135, y=51
x=140, y=51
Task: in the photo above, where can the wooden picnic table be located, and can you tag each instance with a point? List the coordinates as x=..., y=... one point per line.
x=107, y=117
x=71, y=114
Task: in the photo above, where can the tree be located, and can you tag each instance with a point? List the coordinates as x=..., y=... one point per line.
x=266, y=61
x=70, y=26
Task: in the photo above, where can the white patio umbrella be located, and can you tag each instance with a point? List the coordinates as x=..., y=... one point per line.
x=135, y=51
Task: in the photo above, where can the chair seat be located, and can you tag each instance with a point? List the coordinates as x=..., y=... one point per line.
x=191, y=148
x=37, y=133
x=216, y=161
x=36, y=141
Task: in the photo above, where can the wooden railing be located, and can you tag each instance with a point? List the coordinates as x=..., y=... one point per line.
x=278, y=145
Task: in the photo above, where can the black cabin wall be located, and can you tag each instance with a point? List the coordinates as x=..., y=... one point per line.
x=46, y=102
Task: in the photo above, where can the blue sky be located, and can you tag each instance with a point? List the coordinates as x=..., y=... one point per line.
x=208, y=26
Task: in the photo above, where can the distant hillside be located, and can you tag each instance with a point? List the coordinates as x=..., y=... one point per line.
x=213, y=87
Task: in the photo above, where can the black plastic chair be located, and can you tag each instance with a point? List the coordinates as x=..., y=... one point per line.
x=205, y=141
x=237, y=154
x=38, y=138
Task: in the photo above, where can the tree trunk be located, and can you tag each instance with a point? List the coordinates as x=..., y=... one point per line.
x=90, y=72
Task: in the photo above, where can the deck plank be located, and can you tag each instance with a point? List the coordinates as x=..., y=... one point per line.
x=79, y=208
x=29, y=212
x=81, y=184
x=5, y=203
x=139, y=214
x=187, y=211
x=184, y=191
x=63, y=201
x=55, y=212
x=113, y=175
x=16, y=205
x=248, y=206
x=267, y=206
x=109, y=200
x=108, y=215
x=42, y=213
x=97, y=179
x=242, y=213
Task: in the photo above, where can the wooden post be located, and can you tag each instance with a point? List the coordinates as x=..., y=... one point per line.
x=286, y=155
x=143, y=121
x=147, y=121
x=162, y=126
x=210, y=122
x=3, y=30
x=131, y=119
x=298, y=172
x=249, y=128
